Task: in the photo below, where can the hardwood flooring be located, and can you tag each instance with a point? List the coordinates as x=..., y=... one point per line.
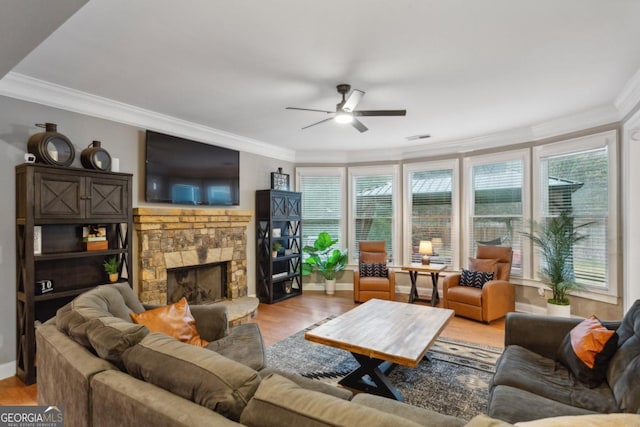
x=278, y=321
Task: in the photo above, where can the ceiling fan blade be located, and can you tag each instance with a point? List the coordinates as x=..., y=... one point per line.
x=359, y=125
x=309, y=109
x=380, y=113
x=317, y=123
x=352, y=102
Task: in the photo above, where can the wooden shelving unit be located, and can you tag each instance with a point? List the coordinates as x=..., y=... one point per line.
x=61, y=201
x=279, y=277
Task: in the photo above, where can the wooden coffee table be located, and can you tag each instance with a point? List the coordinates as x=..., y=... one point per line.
x=380, y=335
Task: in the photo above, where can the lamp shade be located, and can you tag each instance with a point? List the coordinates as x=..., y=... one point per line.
x=426, y=248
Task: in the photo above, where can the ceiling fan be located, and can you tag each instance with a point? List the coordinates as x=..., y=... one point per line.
x=346, y=109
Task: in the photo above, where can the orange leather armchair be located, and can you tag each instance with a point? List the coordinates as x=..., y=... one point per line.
x=496, y=298
x=365, y=288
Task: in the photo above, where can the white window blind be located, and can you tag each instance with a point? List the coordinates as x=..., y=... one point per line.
x=432, y=196
x=497, y=207
x=322, y=205
x=578, y=183
x=372, y=204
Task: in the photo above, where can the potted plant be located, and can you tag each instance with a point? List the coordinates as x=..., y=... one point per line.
x=555, y=238
x=111, y=267
x=275, y=248
x=325, y=260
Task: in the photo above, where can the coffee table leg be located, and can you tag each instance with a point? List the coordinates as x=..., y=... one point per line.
x=371, y=377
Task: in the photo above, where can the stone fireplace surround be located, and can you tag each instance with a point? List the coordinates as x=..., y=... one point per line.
x=176, y=237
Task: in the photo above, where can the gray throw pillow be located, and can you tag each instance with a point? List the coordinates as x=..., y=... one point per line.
x=111, y=336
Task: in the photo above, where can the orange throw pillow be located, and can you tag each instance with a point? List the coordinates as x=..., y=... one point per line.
x=174, y=320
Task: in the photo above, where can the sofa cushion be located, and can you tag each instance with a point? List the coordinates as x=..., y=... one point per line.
x=280, y=402
x=244, y=344
x=194, y=373
x=174, y=320
x=586, y=351
x=623, y=374
x=595, y=420
x=374, y=269
x=111, y=336
x=523, y=369
x=476, y=279
x=514, y=405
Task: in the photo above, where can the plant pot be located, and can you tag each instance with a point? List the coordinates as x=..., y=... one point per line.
x=274, y=254
x=113, y=277
x=330, y=286
x=558, y=310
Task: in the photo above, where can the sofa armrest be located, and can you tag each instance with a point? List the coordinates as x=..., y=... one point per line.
x=540, y=334
x=212, y=320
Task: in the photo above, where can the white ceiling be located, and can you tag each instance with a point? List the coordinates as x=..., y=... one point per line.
x=462, y=68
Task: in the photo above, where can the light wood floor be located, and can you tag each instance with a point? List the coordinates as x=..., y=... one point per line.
x=278, y=321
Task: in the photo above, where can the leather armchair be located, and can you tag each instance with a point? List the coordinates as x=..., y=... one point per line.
x=365, y=288
x=495, y=299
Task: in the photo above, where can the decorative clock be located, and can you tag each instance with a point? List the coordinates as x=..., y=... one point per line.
x=279, y=180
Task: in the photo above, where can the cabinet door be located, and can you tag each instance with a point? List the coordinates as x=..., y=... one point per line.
x=294, y=206
x=279, y=206
x=58, y=195
x=108, y=197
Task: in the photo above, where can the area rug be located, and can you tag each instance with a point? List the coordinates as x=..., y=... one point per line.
x=454, y=382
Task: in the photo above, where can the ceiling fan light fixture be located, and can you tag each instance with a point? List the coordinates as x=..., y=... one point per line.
x=344, y=117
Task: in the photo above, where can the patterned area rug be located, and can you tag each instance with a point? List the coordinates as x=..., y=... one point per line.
x=454, y=382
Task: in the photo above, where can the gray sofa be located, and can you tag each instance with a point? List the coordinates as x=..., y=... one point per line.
x=529, y=383
x=106, y=371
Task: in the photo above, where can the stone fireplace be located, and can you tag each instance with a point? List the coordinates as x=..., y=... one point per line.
x=175, y=239
x=201, y=284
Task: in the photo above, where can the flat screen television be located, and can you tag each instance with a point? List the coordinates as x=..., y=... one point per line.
x=187, y=172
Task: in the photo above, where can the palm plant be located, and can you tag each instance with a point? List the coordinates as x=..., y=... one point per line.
x=323, y=259
x=555, y=238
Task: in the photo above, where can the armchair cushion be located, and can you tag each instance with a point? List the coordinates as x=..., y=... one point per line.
x=477, y=279
x=174, y=320
x=375, y=269
x=587, y=349
x=485, y=265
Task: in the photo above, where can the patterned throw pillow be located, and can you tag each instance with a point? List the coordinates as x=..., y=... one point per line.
x=477, y=279
x=374, y=270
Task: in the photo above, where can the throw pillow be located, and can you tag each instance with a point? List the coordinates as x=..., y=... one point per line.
x=174, y=320
x=477, y=279
x=586, y=351
x=196, y=374
x=375, y=269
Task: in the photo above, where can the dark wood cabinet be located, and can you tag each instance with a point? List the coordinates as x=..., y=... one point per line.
x=278, y=223
x=53, y=204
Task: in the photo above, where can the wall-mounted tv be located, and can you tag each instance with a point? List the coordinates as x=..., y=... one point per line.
x=187, y=172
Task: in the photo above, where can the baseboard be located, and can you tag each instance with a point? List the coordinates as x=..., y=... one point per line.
x=320, y=286
x=7, y=370
x=530, y=308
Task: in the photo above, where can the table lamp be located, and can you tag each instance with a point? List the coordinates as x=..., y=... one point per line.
x=426, y=249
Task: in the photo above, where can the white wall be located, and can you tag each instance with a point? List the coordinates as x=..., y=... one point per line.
x=631, y=209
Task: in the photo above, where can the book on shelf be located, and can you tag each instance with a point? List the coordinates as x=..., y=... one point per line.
x=101, y=245
x=94, y=239
x=279, y=275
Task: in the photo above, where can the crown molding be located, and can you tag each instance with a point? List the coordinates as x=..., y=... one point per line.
x=25, y=88
x=629, y=97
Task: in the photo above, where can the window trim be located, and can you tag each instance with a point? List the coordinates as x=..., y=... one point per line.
x=393, y=170
x=606, y=139
x=407, y=203
x=523, y=155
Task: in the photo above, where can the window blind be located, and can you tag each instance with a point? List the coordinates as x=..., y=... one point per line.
x=321, y=207
x=431, y=214
x=578, y=184
x=497, y=207
x=373, y=210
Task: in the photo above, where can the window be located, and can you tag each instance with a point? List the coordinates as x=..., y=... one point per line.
x=373, y=191
x=323, y=203
x=497, y=199
x=575, y=176
x=432, y=210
